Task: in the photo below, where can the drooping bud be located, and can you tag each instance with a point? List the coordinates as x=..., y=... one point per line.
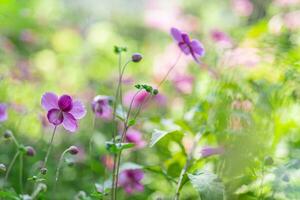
x=136, y=57
x=7, y=134
x=30, y=151
x=73, y=150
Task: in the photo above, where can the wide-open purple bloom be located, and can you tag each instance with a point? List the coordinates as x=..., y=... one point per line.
x=210, y=151
x=3, y=112
x=130, y=180
x=102, y=108
x=63, y=110
x=188, y=46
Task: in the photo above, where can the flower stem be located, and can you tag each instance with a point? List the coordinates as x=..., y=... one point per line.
x=58, y=168
x=11, y=165
x=21, y=173
x=49, y=147
x=186, y=166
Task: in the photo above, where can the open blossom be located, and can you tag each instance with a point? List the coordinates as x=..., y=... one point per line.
x=141, y=97
x=101, y=107
x=188, y=47
x=210, y=151
x=134, y=136
x=3, y=112
x=63, y=110
x=130, y=180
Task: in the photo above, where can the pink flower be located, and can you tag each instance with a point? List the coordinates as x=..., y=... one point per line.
x=184, y=83
x=101, y=107
x=188, y=46
x=242, y=7
x=130, y=180
x=134, y=136
x=140, y=98
x=3, y=112
x=210, y=151
x=221, y=38
x=292, y=20
x=63, y=110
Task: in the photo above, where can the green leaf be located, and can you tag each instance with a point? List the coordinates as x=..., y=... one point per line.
x=208, y=185
x=117, y=147
x=157, y=135
x=131, y=122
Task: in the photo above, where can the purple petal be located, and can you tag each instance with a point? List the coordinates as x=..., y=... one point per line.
x=55, y=116
x=78, y=110
x=49, y=101
x=184, y=48
x=176, y=34
x=3, y=112
x=65, y=103
x=185, y=38
x=138, y=187
x=138, y=174
x=69, y=122
x=197, y=47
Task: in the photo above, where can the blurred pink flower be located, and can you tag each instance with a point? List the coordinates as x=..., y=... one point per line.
x=135, y=136
x=284, y=3
x=292, y=20
x=221, y=39
x=183, y=83
x=247, y=57
x=242, y=7
x=130, y=180
x=210, y=151
x=102, y=108
x=141, y=97
x=3, y=112
x=27, y=36
x=162, y=15
x=108, y=162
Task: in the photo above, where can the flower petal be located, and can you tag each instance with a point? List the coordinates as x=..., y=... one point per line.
x=69, y=122
x=185, y=38
x=49, y=101
x=176, y=34
x=55, y=116
x=78, y=110
x=197, y=47
x=65, y=103
x=184, y=48
x=3, y=112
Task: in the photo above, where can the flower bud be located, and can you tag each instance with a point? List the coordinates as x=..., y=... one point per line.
x=73, y=150
x=2, y=167
x=30, y=151
x=7, y=134
x=268, y=160
x=43, y=170
x=136, y=57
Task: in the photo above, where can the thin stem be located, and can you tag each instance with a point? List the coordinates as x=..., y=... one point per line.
x=15, y=140
x=91, y=139
x=49, y=147
x=11, y=165
x=186, y=166
x=58, y=168
x=39, y=188
x=21, y=173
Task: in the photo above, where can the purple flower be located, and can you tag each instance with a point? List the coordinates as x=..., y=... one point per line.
x=188, y=46
x=63, y=110
x=130, y=180
x=141, y=97
x=101, y=107
x=210, y=151
x=3, y=112
x=134, y=136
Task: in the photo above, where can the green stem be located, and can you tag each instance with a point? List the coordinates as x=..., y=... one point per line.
x=11, y=165
x=21, y=173
x=186, y=166
x=58, y=168
x=49, y=147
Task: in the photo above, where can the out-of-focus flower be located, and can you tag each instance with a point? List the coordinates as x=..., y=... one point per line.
x=183, y=83
x=3, y=112
x=108, y=161
x=247, y=57
x=188, y=46
x=141, y=97
x=284, y=3
x=63, y=110
x=130, y=180
x=210, y=151
x=292, y=20
x=275, y=24
x=101, y=107
x=162, y=15
x=242, y=7
x=134, y=136
x=221, y=38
